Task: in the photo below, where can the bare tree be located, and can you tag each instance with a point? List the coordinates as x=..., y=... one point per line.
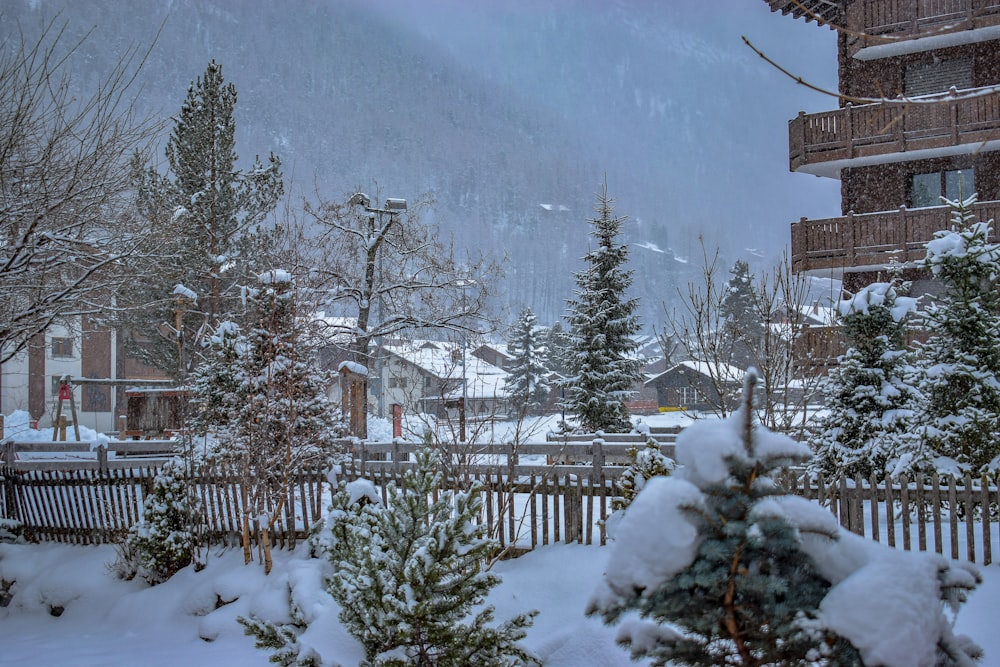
x=767, y=336
x=64, y=181
x=379, y=266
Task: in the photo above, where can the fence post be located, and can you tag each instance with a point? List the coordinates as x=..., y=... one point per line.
x=102, y=459
x=10, y=506
x=9, y=453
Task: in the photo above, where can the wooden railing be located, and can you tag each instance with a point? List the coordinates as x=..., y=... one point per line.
x=916, y=17
x=871, y=240
x=878, y=130
x=526, y=505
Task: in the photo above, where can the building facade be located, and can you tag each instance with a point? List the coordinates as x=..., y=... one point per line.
x=918, y=119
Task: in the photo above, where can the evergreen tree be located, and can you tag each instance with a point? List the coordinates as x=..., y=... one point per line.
x=409, y=576
x=558, y=349
x=644, y=464
x=166, y=539
x=961, y=359
x=743, y=325
x=525, y=384
x=745, y=593
x=869, y=428
x=205, y=216
x=604, y=368
x=267, y=402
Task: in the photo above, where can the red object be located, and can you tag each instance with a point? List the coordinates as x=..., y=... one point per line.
x=65, y=393
x=397, y=420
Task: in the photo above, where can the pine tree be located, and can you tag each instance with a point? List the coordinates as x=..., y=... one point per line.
x=525, y=385
x=961, y=359
x=871, y=402
x=746, y=592
x=410, y=575
x=604, y=368
x=558, y=349
x=166, y=539
x=644, y=464
x=743, y=326
x=267, y=401
x=205, y=216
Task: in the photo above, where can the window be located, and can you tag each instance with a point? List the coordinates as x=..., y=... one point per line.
x=927, y=189
x=689, y=396
x=937, y=76
x=397, y=383
x=62, y=347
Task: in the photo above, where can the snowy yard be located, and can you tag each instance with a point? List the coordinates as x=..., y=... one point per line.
x=108, y=622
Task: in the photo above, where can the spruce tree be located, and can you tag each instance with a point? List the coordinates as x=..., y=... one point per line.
x=869, y=395
x=960, y=361
x=742, y=592
x=525, y=385
x=409, y=576
x=743, y=324
x=267, y=402
x=166, y=540
x=205, y=217
x=603, y=368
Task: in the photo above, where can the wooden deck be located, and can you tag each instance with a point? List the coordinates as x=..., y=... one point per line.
x=869, y=241
x=896, y=18
x=873, y=133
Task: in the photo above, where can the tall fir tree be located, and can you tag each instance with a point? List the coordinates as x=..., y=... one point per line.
x=267, y=402
x=603, y=368
x=869, y=393
x=960, y=361
x=558, y=349
x=526, y=384
x=743, y=326
x=206, y=219
x=409, y=577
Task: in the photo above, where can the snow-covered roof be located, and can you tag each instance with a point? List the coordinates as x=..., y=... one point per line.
x=444, y=360
x=725, y=371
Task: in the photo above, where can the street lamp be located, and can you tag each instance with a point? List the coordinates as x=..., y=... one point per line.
x=392, y=207
x=463, y=284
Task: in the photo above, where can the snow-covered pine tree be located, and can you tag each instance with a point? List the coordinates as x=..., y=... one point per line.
x=644, y=464
x=267, y=401
x=734, y=587
x=526, y=384
x=558, y=349
x=410, y=576
x=603, y=367
x=960, y=361
x=204, y=217
x=869, y=395
x=724, y=567
x=743, y=324
x=166, y=539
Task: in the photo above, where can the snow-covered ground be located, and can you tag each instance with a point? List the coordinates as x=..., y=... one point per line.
x=109, y=622
x=191, y=619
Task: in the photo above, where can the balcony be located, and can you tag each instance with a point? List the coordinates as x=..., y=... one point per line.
x=824, y=143
x=907, y=19
x=870, y=241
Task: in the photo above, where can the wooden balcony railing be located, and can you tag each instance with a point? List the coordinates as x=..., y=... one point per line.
x=915, y=18
x=881, y=130
x=872, y=240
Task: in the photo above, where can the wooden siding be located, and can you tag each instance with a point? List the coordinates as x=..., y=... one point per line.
x=917, y=18
x=871, y=240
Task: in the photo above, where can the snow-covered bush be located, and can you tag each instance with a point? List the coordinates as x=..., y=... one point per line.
x=871, y=401
x=724, y=567
x=644, y=464
x=409, y=576
x=166, y=539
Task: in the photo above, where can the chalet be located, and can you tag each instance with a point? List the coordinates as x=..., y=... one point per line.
x=919, y=119
x=427, y=376
x=697, y=386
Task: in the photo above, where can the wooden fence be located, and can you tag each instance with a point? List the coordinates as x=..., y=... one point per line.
x=529, y=499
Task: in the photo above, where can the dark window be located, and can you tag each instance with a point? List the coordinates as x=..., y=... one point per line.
x=938, y=76
x=62, y=347
x=927, y=189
